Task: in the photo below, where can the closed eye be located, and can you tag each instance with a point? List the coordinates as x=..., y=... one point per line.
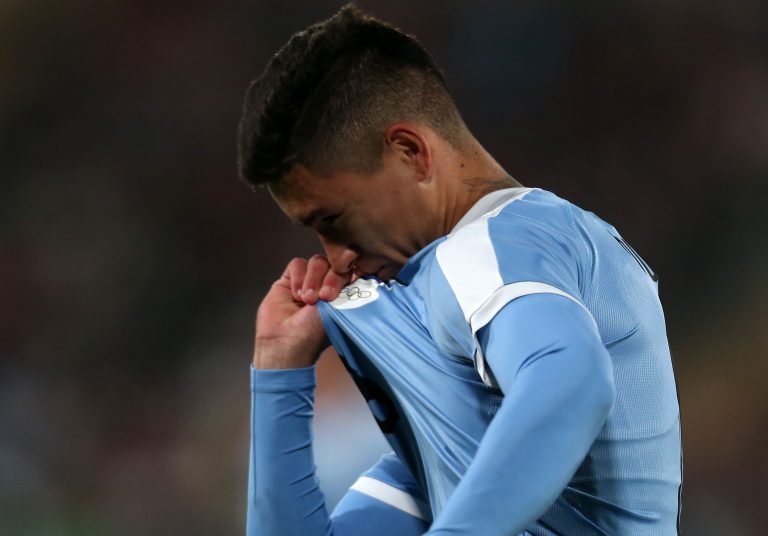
x=330, y=220
x=331, y=226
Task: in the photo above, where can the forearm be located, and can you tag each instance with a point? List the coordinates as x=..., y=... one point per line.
x=530, y=451
x=284, y=497
x=558, y=394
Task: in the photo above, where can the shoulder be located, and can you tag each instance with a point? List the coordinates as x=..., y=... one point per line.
x=517, y=218
x=526, y=236
x=520, y=242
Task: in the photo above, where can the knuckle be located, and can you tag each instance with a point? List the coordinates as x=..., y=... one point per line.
x=297, y=262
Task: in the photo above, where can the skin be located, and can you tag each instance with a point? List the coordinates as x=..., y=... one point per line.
x=367, y=224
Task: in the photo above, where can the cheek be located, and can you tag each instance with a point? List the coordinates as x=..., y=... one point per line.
x=370, y=235
x=381, y=228
x=375, y=227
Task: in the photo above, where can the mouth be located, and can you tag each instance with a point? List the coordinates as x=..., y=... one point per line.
x=384, y=272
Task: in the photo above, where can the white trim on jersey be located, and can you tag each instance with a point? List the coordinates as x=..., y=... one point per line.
x=506, y=294
x=496, y=303
x=392, y=496
x=468, y=261
x=490, y=202
x=476, y=276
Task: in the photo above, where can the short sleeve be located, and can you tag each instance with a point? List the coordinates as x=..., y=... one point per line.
x=529, y=246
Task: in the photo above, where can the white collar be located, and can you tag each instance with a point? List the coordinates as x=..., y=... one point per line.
x=488, y=203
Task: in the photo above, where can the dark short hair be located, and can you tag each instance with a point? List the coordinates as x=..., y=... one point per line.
x=327, y=96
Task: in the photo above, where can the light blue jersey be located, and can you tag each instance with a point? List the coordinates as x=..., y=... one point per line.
x=416, y=349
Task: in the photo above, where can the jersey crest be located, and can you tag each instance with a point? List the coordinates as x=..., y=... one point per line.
x=360, y=293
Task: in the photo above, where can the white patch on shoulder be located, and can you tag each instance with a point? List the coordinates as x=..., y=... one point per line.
x=361, y=292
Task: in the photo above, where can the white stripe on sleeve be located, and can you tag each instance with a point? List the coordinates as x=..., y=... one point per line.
x=506, y=294
x=469, y=263
x=392, y=496
x=498, y=300
x=468, y=260
x=467, y=257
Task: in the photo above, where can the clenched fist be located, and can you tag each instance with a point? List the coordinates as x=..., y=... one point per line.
x=289, y=332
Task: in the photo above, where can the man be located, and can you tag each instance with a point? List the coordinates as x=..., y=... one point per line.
x=511, y=346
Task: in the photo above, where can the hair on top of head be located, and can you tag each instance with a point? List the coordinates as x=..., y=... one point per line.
x=326, y=97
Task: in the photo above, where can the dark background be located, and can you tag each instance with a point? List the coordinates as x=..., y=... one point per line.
x=132, y=259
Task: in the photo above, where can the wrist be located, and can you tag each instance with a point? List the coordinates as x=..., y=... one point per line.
x=267, y=362
x=269, y=355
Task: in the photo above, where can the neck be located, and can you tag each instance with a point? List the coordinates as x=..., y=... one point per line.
x=474, y=174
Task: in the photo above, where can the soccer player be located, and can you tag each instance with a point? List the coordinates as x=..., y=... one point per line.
x=511, y=345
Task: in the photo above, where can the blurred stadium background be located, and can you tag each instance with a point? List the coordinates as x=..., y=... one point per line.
x=132, y=260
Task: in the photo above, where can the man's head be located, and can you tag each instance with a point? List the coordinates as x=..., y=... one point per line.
x=348, y=126
x=326, y=97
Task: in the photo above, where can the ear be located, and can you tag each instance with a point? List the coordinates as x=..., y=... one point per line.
x=409, y=144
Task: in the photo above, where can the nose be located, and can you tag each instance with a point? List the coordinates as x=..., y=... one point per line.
x=341, y=256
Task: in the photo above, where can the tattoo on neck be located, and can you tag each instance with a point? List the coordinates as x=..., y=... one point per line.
x=489, y=184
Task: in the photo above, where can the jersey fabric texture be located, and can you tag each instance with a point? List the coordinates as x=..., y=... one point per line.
x=414, y=346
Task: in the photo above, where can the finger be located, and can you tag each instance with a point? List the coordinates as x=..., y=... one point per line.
x=317, y=268
x=332, y=285
x=296, y=272
x=281, y=290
